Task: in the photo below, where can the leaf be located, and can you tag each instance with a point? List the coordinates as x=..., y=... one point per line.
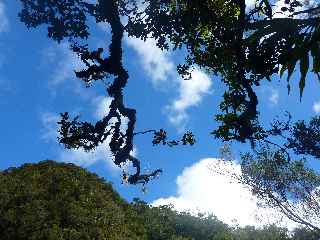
x=304, y=66
x=315, y=53
x=268, y=8
x=282, y=70
x=290, y=67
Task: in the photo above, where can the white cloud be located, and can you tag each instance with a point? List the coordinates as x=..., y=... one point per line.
x=102, y=109
x=65, y=61
x=191, y=93
x=80, y=157
x=316, y=107
x=156, y=63
x=200, y=188
x=250, y=4
x=102, y=106
x=191, y=90
x=160, y=67
x=281, y=3
x=278, y=4
x=4, y=22
x=49, y=126
x=274, y=96
x=85, y=159
x=77, y=156
x=4, y=27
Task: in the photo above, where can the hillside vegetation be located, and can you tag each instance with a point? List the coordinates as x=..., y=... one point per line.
x=51, y=200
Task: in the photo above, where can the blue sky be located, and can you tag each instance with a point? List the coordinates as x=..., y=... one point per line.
x=37, y=83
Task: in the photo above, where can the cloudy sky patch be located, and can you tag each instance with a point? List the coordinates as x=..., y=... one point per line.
x=202, y=189
x=4, y=22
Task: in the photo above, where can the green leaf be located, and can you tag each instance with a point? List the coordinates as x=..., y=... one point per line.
x=291, y=66
x=304, y=66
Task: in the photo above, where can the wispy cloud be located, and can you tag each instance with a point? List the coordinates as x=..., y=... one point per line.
x=65, y=62
x=191, y=93
x=156, y=63
x=201, y=188
x=4, y=22
x=85, y=159
x=49, y=133
x=102, y=105
x=250, y=4
x=274, y=96
x=159, y=65
x=316, y=107
x=77, y=156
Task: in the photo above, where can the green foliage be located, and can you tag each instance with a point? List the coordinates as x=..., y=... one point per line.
x=160, y=137
x=278, y=171
x=271, y=232
x=166, y=223
x=306, y=137
x=65, y=18
x=271, y=172
x=242, y=47
x=52, y=200
x=303, y=234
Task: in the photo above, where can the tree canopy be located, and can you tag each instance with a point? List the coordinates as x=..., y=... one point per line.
x=280, y=173
x=242, y=47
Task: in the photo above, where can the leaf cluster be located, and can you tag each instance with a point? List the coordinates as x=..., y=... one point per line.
x=242, y=47
x=278, y=172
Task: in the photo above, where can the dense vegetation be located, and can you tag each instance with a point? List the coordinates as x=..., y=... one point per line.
x=51, y=200
x=61, y=201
